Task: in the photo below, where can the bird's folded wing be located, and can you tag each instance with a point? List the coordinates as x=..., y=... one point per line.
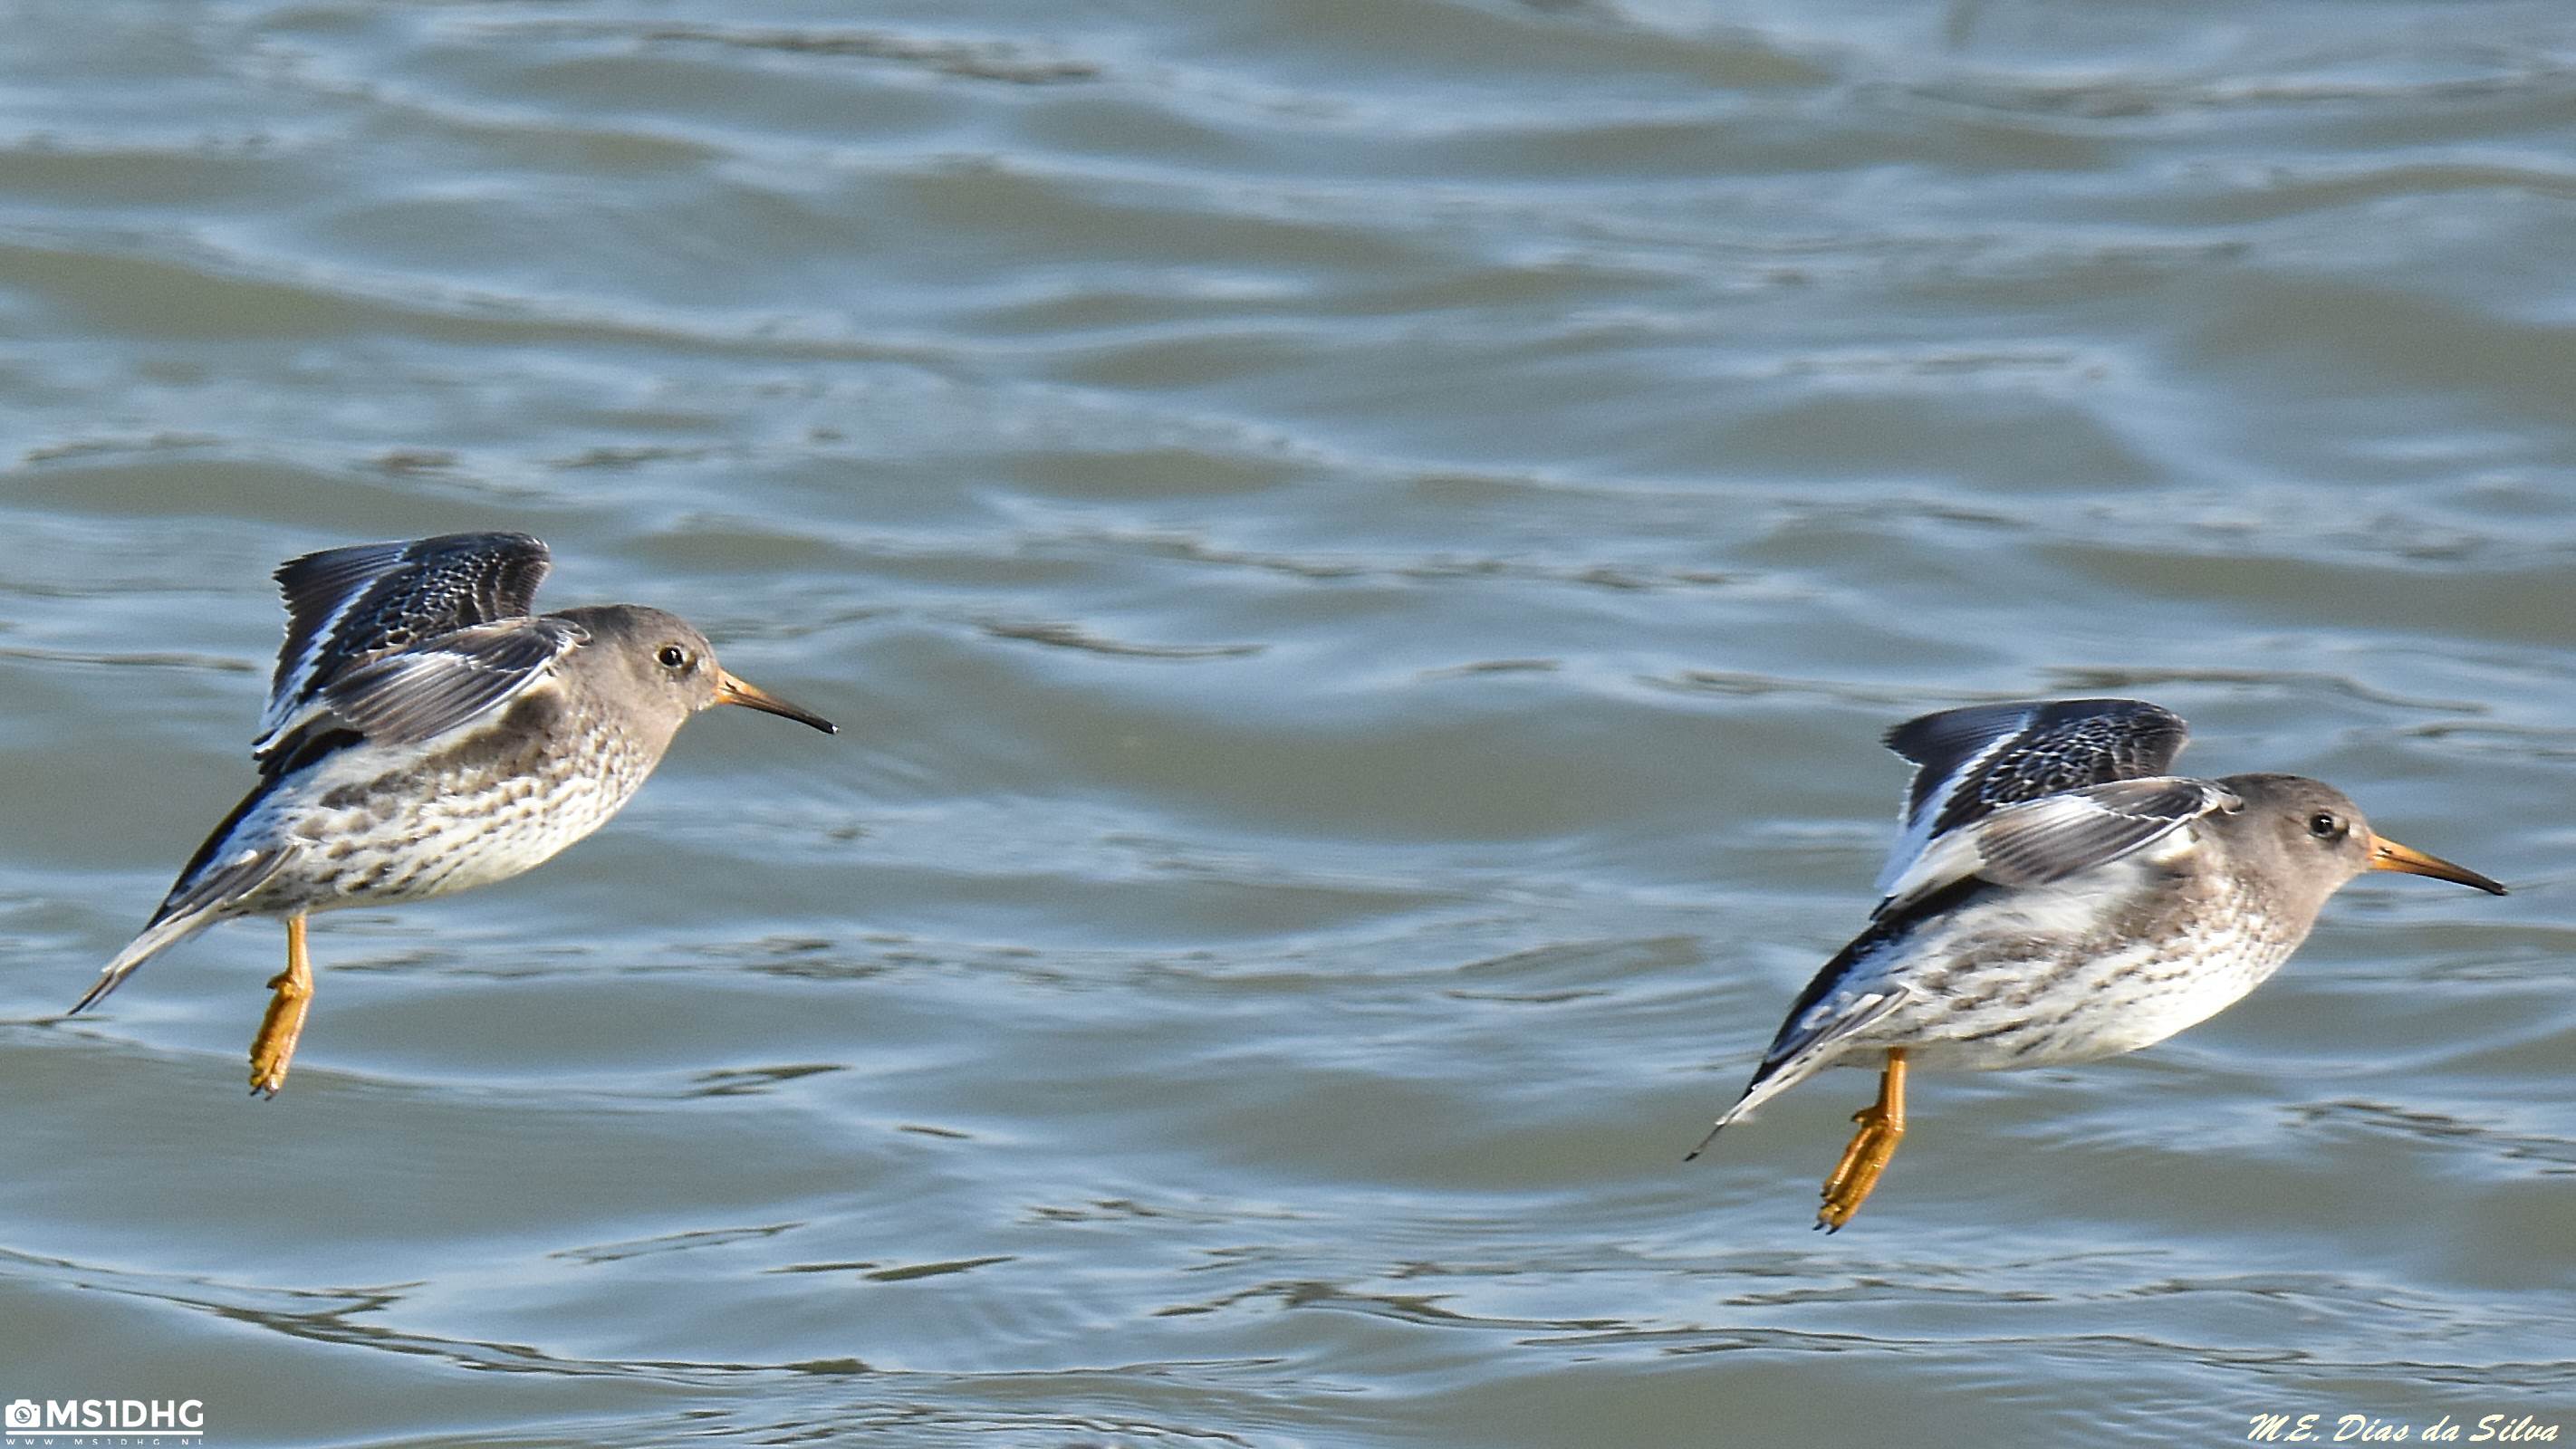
x=424, y=691
x=2046, y=840
x=347, y=607
x=1972, y=762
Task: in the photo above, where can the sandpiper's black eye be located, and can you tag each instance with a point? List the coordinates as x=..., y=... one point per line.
x=673, y=657
x=2324, y=826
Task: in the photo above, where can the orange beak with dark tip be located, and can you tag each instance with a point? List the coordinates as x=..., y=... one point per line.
x=2387, y=854
x=730, y=690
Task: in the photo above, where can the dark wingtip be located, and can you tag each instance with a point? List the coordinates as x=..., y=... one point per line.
x=1914, y=737
x=1693, y=1154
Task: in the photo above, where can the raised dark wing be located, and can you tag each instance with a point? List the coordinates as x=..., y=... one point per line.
x=1972, y=762
x=2042, y=841
x=347, y=608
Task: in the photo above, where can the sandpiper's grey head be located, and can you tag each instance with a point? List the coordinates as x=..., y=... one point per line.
x=2310, y=839
x=667, y=667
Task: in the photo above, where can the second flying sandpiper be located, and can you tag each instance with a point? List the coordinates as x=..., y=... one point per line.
x=2056, y=897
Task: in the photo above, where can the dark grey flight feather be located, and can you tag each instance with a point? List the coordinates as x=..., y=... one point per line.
x=428, y=689
x=1972, y=762
x=348, y=608
x=2040, y=842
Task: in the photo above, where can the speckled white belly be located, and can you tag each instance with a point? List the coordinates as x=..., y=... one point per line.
x=2047, y=976
x=373, y=826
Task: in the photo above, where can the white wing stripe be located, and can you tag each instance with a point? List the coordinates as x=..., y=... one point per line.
x=1918, y=827
x=294, y=687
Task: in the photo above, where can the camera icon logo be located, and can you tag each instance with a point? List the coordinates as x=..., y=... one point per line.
x=24, y=1414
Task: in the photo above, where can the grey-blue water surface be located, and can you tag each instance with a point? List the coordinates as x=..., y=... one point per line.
x=1362, y=551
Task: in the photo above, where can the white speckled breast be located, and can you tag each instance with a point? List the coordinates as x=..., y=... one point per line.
x=2117, y=960
x=373, y=826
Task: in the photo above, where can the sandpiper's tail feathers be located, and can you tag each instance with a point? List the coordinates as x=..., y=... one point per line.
x=1806, y=1046
x=198, y=904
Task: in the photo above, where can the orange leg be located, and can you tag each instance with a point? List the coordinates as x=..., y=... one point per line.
x=274, y=1047
x=1882, y=1126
